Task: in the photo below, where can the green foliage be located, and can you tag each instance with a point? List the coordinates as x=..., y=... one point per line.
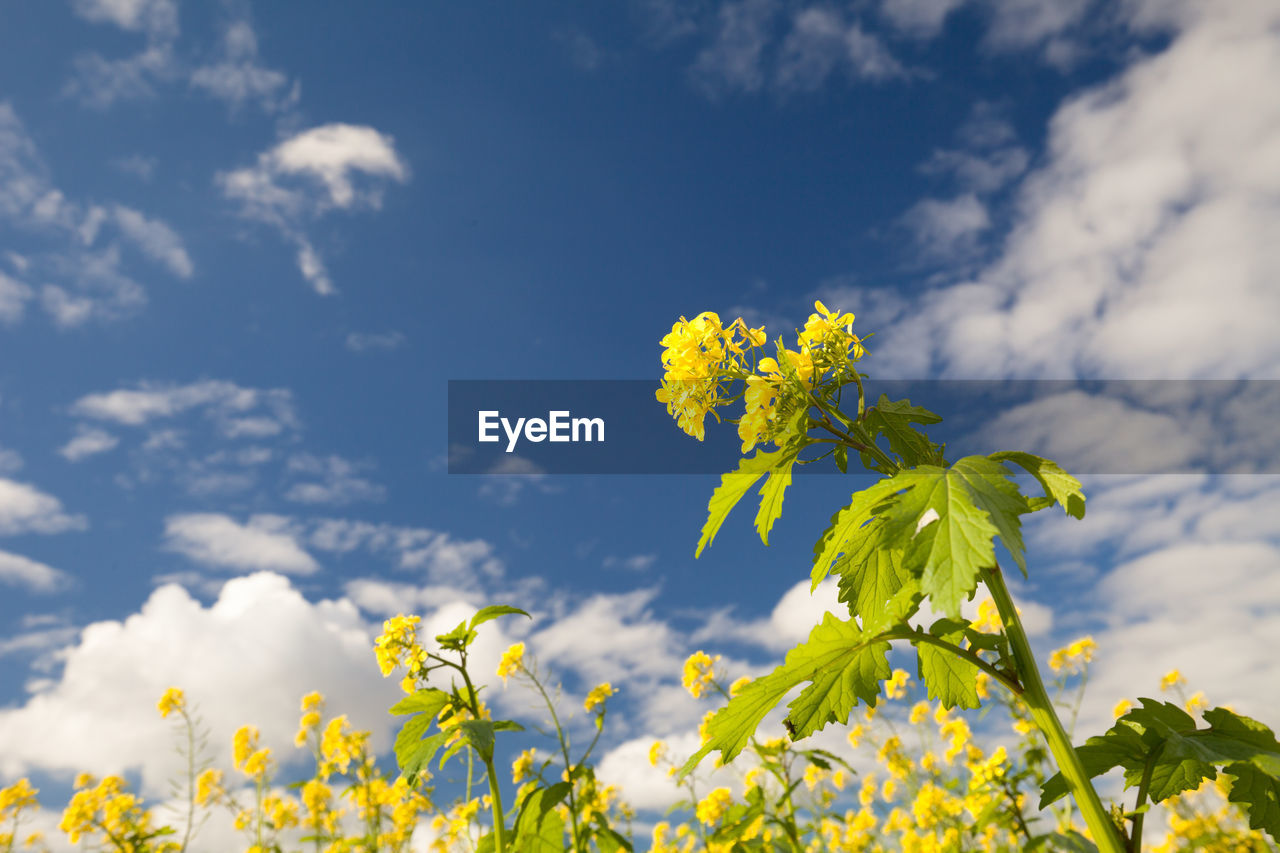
x=732, y=487
x=841, y=666
x=1159, y=745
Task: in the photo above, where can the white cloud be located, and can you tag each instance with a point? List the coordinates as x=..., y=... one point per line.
x=309, y=174
x=238, y=78
x=14, y=296
x=156, y=239
x=444, y=560
x=88, y=442
x=155, y=17
x=100, y=83
x=733, y=61
x=218, y=541
x=1148, y=244
x=336, y=481
x=26, y=509
x=919, y=18
x=947, y=229
x=634, y=563
x=83, y=272
x=17, y=570
x=247, y=658
x=362, y=341
x=821, y=42
x=228, y=404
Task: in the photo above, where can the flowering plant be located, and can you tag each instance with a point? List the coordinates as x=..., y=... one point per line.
x=923, y=534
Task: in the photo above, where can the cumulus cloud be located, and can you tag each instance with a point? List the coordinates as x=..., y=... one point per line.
x=219, y=541
x=334, y=166
x=26, y=509
x=247, y=658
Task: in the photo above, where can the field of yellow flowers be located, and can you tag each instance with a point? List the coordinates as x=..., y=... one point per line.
x=975, y=752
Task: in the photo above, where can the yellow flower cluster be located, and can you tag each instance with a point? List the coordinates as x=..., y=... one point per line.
x=248, y=758
x=107, y=808
x=398, y=645
x=701, y=357
x=694, y=359
x=1074, y=657
x=172, y=700
x=597, y=696
x=699, y=673
x=512, y=661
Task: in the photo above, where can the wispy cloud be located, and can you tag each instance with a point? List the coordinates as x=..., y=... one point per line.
x=82, y=263
x=331, y=167
x=87, y=442
x=26, y=509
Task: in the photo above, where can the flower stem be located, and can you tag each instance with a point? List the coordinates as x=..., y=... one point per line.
x=1046, y=719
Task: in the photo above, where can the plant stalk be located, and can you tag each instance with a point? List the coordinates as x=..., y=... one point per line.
x=1040, y=706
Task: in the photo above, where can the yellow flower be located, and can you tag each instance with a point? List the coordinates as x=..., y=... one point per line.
x=243, y=744
x=919, y=713
x=1173, y=678
x=1122, y=707
x=522, y=767
x=398, y=643
x=208, y=787
x=595, y=699
x=699, y=673
x=18, y=796
x=713, y=806
x=312, y=701
x=895, y=687
x=512, y=661
x=172, y=700
x=738, y=686
x=1196, y=702
x=657, y=752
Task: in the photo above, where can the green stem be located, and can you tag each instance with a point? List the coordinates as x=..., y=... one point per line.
x=1046, y=719
x=564, y=751
x=495, y=795
x=1135, y=836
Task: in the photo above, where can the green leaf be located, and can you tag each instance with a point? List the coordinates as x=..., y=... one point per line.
x=539, y=827
x=731, y=489
x=428, y=701
x=1059, y=486
x=1259, y=793
x=848, y=527
x=485, y=614
x=950, y=679
x=414, y=750
x=871, y=574
x=773, y=491
x=479, y=733
x=843, y=666
x=974, y=501
x=608, y=839
x=893, y=419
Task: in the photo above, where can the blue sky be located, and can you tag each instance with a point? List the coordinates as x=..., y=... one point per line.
x=243, y=248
